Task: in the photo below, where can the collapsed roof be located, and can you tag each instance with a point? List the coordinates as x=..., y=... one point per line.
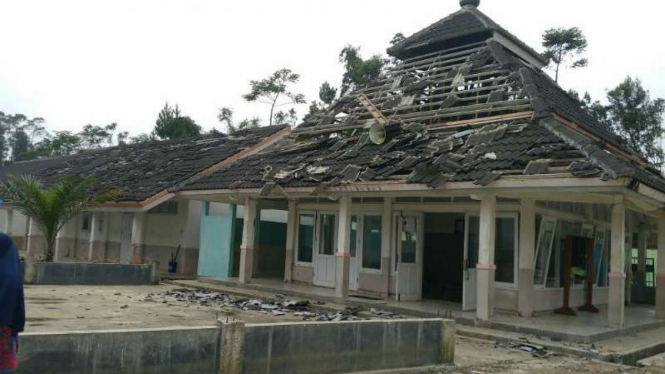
x=140, y=171
x=464, y=105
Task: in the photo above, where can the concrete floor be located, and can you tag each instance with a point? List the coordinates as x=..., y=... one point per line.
x=77, y=308
x=637, y=317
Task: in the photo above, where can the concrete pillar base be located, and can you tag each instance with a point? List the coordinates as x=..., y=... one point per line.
x=246, y=265
x=525, y=293
x=616, y=307
x=660, y=296
x=97, y=251
x=385, y=269
x=288, y=266
x=231, y=347
x=343, y=264
x=485, y=301
x=448, y=342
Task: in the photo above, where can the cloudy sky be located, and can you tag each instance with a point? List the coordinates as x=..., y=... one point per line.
x=76, y=62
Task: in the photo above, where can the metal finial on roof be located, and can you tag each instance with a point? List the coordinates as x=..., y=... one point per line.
x=469, y=4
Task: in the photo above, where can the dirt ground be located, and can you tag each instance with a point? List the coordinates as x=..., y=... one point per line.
x=77, y=308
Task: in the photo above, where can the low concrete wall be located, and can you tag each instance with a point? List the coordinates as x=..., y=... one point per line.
x=60, y=273
x=157, y=351
x=233, y=348
x=343, y=347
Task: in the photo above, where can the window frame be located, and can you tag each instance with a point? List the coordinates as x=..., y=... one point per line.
x=543, y=221
x=314, y=245
x=361, y=242
x=515, y=216
x=317, y=232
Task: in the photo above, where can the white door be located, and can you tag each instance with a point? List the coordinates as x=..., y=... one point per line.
x=125, y=237
x=326, y=235
x=409, y=257
x=355, y=253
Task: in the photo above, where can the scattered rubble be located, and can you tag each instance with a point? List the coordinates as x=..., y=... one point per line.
x=279, y=307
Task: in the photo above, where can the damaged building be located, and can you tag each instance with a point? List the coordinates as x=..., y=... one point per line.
x=462, y=174
x=145, y=222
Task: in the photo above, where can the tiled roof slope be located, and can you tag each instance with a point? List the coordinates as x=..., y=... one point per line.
x=416, y=155
x=435, y=106
x=469, y=23
x=143, y=170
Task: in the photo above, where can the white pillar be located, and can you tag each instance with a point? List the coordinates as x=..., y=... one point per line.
x=615, y=308
x=343, y=254
x=59, y=243
x=30, y=242
x=291, y=228
x=486, y=268
x=660, y=269
x=527, y=252
x=94, y=237
x=386, y=241
x=247, y=246
x=136, y=249
x=9, y=223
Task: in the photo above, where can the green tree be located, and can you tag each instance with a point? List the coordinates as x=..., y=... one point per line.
x=327, y=93
x=359, y=72
x=565, y=45
x=286, y=118
x=637, y=118
x=225, y=116
x=274, y=91
x=97, y=136
x=51, y=207
x=172, y=125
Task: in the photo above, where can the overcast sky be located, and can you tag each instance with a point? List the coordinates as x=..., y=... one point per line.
x=76, y=62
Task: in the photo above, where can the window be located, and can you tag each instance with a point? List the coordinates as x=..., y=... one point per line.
x=600, y=257
x=409, y=238
x=327, y=234
x=168, y=207
x=354, y=235
x=305, y=237
x=543, y=248
x=505, y=246
x=85, y=221
x=371, y=256
x=505, y=252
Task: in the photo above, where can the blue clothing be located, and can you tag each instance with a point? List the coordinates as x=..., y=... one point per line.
x=12, y=304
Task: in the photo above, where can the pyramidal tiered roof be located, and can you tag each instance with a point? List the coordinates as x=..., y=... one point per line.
x=467, y=102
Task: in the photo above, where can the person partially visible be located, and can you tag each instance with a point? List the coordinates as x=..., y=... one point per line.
x=12, y=304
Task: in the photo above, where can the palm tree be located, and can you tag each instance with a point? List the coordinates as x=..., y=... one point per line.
x=51, y=207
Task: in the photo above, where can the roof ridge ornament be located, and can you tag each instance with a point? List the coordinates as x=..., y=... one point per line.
x=469, y=4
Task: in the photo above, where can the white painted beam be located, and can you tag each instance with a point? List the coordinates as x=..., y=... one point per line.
x=343, y=255
x=617, y=275
x=527, y=251
x=248, y=242
x=291, y=229
x=486, y=268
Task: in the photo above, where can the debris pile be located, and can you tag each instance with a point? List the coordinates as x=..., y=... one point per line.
x=279, y=307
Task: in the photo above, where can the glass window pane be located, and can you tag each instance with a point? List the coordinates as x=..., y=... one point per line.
x=354, y=235
x=409, y=239
x=372, y=242
x=474, y=240
x=505, y=250
x=545, y=236
x=327, y=234
x=305, y=237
